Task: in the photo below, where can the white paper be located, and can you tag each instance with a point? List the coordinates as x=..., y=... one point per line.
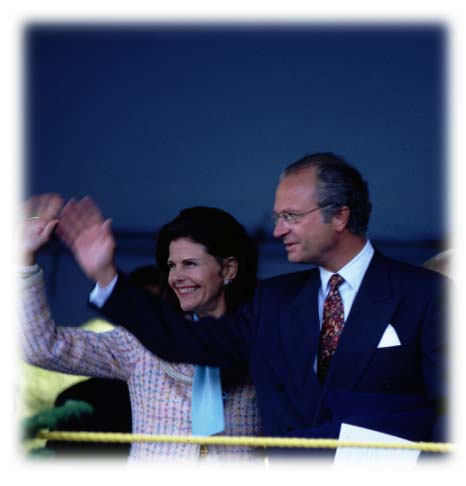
x=359, y=455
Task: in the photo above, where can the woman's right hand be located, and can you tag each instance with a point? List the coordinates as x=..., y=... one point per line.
x=38, y=221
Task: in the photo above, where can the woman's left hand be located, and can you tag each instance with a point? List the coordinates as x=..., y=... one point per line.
x=39, y=219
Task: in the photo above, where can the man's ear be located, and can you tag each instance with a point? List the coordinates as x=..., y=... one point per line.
x=340, y=219
x=229, y=268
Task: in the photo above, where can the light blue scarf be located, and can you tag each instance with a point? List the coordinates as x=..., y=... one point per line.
x=207, y=415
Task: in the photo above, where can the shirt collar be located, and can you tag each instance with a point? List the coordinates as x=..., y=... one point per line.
x=353, y=272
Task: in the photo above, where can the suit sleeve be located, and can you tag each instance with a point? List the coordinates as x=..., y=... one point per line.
x=224, y=342
x=433, y=346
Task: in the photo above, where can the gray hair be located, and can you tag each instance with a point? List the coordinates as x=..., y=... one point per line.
x=338, y=184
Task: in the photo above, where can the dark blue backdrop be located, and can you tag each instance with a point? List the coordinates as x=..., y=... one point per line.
x=149, y=119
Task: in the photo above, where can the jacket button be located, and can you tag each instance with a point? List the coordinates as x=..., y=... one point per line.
x=387, y=385
x=280, y=387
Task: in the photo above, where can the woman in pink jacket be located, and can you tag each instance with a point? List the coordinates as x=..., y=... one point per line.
x=209, y=267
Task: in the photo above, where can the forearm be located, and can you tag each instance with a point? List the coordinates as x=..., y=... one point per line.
x=68, y=350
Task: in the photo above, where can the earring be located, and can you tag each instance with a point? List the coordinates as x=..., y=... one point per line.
x=226, y=282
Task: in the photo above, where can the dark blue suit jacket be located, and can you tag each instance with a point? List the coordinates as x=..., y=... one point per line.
x=395, y=390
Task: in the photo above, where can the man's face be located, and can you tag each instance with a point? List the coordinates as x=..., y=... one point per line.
x=308, y=239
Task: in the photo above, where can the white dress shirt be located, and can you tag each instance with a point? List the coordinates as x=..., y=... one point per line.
x=353, y=273
x=99, y=295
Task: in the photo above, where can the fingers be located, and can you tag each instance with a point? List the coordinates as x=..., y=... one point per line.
x=45, y=206
x=49, y=206
x=69, y=226
x=47, y=231
x=82, y=213
x=76, y=217
x=80, y=225
x=30, y=206
x=40, y=219
x=97, y=234
x=89, y=210
x=106, y=226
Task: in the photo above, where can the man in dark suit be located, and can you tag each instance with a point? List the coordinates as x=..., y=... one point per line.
x=358, y=340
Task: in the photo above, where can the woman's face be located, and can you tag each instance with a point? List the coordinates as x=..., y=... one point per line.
x=196, y=277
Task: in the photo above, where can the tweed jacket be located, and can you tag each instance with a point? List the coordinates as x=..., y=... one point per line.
x=160, y=392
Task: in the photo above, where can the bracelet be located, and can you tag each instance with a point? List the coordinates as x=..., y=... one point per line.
x=27, y=270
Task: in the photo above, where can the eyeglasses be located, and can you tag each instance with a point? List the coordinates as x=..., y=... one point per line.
x=293, y=218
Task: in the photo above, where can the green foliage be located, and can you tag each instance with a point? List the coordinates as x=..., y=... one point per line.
x=52, y=419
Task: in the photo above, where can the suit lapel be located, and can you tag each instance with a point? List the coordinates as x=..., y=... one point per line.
x=299, y=338
x=371, y=312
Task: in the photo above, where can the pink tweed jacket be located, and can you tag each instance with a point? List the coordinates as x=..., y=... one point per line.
x=160, y=392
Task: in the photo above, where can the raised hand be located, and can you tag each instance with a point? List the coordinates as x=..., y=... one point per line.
x=38, y=221
x=83, y=229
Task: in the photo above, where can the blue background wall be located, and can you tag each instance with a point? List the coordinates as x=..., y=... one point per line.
x=150, y=119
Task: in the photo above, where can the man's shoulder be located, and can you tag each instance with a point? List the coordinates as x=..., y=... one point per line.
x=289, y=283
x=407, y=274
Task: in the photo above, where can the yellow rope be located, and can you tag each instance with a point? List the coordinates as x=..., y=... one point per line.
x=240, y=441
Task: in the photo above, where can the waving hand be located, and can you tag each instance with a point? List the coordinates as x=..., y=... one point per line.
x=89, y=237
x=40, y=217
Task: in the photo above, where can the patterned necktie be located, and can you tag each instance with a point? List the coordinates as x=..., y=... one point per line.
x=332, y=325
